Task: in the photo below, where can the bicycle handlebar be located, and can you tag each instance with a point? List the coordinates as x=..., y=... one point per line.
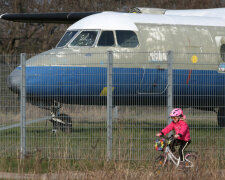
x=168, y=138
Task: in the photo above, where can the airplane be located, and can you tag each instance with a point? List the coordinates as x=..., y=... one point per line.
x=73, y=72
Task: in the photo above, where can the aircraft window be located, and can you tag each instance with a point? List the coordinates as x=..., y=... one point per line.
x=106, y=39
x=127, y=39
x=85, y=38
x=66, y=38
x=222, y=52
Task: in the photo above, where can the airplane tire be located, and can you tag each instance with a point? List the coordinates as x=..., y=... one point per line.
x=67, y=127
x=221, y=117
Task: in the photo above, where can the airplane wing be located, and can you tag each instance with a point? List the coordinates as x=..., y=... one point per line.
x=60, y=18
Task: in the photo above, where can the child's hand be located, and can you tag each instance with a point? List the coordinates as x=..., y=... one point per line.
x=176, y=136
x=158, y=134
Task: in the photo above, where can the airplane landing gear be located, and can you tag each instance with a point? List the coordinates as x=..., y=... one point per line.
x=221, y=117
x=60, y=121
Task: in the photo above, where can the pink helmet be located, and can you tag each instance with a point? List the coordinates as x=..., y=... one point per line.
x=177, y=112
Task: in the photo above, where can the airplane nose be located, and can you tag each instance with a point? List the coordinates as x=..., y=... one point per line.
x=14, y=80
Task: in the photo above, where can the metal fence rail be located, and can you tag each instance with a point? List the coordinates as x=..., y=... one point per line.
x=108, y=105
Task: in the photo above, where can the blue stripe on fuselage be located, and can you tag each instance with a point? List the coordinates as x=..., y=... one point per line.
x=83, y=81
x=90, y=81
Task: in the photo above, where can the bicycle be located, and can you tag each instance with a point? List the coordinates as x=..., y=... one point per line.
x=169, y=158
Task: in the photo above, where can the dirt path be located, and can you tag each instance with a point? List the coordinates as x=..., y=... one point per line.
x=94, y=175
x=64, y=176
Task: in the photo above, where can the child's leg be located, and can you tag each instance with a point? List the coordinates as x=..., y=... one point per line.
x=183, y=145
x=172, y=144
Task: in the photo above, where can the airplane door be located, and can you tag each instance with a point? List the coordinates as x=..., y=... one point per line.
x=154, y=79
x=221, y=44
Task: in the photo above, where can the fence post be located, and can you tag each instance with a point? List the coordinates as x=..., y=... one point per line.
x=109, y=105
x=23, y=106
x=170, y=84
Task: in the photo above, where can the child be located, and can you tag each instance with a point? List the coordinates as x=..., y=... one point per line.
x=182, y=136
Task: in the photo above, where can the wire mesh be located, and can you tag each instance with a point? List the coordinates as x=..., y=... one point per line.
x=66, y=113
x=9, y=108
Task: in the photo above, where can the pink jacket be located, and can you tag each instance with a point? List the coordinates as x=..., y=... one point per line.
x=181, y=128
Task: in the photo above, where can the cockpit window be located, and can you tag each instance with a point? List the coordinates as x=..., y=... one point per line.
x=222, y=52
x=66, y=38
x=85, y=38
x=106, y=39
x=127, y=38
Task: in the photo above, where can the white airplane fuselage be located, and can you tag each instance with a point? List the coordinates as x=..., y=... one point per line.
x=77, y=73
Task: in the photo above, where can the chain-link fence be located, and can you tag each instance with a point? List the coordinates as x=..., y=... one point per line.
x=66, y=105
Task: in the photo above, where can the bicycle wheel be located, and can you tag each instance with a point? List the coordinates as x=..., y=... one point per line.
x=190, y=160
x=158, y=164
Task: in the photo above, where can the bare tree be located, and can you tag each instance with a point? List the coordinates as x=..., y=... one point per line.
x=25, y=37
x=35, y=38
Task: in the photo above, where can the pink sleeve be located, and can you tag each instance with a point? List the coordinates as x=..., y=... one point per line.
x=167, y=129
x=183, y=128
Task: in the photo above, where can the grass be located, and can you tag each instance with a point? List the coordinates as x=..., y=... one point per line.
x=37, y=167
x=132, y=140
x=82, y=153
